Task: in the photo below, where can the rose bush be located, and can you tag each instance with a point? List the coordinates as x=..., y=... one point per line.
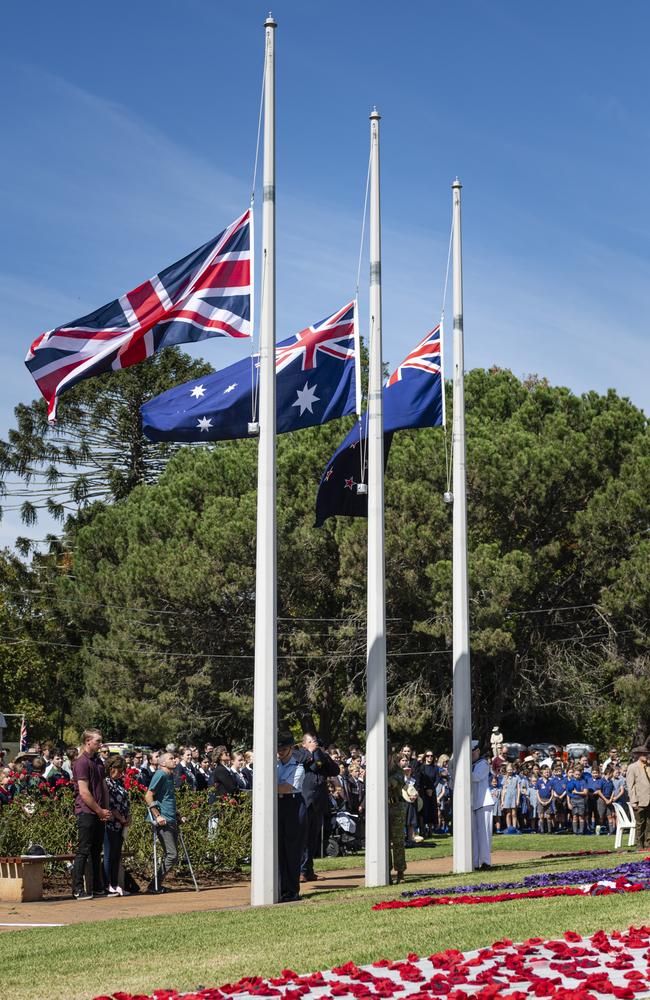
x=217, y=836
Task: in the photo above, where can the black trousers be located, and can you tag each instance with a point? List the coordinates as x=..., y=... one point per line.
x=113, y=855
x=91, y=839
x=429, y=809
x=313, y=838
x=291, y=842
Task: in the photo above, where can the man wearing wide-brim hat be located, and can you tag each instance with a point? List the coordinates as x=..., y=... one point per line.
x=638, y=790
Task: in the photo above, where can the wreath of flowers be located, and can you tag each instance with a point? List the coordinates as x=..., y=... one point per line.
x=572, y=968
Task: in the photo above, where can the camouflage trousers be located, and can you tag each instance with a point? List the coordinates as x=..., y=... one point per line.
x=396, y=815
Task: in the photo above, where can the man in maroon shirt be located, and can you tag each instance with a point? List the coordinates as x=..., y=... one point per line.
x=91, y=811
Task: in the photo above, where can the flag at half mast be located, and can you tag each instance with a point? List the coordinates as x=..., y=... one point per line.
x=206, y=294
x=413, y=397
x=315, y=383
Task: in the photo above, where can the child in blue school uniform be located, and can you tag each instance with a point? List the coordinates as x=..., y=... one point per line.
x=577, y=793
x=524, y=801
x=593, y=780
x=559, y=785
x=544, y=790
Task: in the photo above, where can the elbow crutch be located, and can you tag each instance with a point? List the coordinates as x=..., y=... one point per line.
x=187, y=857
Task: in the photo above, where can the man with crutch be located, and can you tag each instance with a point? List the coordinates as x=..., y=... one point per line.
x=161, y=802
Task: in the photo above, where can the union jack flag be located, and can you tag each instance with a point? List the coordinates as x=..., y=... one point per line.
x=206, y=294
x=24, y=743
x=333, y=337
x=426, y=357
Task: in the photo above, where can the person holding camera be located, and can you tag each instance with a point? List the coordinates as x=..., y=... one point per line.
x=318, y=766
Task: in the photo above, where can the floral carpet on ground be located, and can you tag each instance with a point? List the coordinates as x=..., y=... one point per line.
x=571, y=968
x=622, y=878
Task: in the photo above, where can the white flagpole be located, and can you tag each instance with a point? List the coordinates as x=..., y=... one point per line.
x=377, y=863
x=462, y=685
x=264, y=880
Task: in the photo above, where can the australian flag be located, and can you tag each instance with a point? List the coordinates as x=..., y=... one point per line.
x=206, y=294
x=413, y=397
x=315, y=382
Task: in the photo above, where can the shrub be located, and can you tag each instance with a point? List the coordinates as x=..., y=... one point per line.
x=218, y=837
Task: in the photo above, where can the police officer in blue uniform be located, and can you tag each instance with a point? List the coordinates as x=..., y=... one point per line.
x=291, y=817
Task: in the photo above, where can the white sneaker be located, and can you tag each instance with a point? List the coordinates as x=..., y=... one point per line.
x=114, y=892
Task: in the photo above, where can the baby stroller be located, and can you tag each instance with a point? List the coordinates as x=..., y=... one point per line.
x=343, y=835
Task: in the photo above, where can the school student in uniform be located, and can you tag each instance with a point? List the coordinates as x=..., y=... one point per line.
x=559, y=785
x=510, y=794
x=577, y=793
x=544, y=790
x=604, y=803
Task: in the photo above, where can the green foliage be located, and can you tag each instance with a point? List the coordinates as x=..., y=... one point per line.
x=34, y=819
x=49, y=821
x=36, y=668
x=161, y=583
x=96, y=450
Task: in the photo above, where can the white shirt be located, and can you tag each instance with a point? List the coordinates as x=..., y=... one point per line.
x=481, y=774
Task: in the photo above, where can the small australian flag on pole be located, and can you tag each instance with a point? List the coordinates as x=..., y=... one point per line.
x=413, y=397
x=315, y=382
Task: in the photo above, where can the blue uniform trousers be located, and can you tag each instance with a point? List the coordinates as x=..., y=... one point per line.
x=291, y=841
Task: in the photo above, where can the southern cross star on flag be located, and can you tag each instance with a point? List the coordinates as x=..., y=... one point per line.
x=315, y=382
x=413, y=397
x=206, y=294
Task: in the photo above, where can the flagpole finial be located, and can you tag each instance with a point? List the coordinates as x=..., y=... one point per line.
x=374, y=114
x=457, y=184
x=270, y=21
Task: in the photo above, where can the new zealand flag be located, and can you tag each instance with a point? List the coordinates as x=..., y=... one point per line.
x=315, y=382
x=413, y=397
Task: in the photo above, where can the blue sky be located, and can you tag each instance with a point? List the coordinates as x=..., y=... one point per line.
x=129, y=135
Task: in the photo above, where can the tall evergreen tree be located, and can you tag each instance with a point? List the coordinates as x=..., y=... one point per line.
x=96, y=450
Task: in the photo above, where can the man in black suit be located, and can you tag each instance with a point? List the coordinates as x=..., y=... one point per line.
x=318, y=766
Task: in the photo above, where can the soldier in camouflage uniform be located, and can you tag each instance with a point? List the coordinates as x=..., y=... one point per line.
x=396, y=816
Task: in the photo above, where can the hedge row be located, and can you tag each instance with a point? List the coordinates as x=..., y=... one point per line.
x=218, y=837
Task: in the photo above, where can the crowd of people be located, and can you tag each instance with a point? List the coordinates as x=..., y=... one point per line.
x=317, y=786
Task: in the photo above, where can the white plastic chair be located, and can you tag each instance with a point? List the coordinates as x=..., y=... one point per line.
x=624, y=821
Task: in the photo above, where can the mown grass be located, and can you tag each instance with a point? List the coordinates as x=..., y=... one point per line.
x=82, y=961
x=557, y=843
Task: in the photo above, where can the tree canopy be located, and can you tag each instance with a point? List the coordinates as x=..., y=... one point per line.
x=96, y=450
x=161, y=583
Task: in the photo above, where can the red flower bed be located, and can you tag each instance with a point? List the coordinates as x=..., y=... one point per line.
x=597, y=889
x=572, y=968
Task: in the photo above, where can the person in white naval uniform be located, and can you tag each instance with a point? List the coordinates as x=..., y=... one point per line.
x=482, y=804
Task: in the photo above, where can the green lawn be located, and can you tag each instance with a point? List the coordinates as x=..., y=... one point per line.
x=81, y=961
x=557, y=843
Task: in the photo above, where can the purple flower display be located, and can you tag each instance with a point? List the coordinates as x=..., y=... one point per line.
x=637, y=870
